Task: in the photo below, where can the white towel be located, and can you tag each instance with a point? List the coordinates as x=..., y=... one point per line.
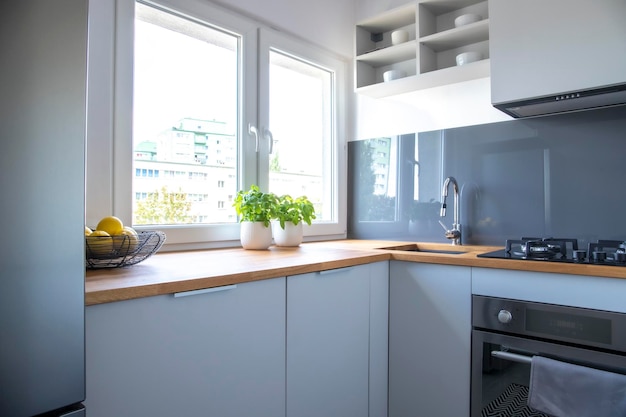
x=566, y=390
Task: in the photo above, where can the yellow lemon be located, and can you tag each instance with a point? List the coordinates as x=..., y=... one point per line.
x=111, y=224
x=126, y=242
x=129, y=229
x=99, y=244
x=88, y=231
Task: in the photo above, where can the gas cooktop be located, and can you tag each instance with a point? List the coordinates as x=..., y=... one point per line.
x=602, y=252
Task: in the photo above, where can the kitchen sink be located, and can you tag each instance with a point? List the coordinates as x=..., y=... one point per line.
x=414, y=247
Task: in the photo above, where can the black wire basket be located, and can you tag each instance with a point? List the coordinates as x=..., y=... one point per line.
x=121, y=250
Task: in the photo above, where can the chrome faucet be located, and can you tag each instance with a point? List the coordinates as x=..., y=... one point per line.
x=455, y=232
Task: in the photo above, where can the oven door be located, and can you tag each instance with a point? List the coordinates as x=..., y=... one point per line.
x=501, y=370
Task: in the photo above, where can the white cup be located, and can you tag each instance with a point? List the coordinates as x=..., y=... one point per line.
x=466, y=19
x=468, y=57
x=399, y=36
x=393, y=75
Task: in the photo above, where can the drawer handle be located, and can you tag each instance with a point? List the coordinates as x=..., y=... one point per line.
x=204, y=291
x=335, y=271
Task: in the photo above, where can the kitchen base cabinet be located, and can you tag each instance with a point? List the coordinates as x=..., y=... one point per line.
x=429, y=340
x=337, y=342
x=220, y=353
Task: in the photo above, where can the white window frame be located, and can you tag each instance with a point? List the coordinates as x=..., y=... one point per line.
x=109, y=128
x=272, y=39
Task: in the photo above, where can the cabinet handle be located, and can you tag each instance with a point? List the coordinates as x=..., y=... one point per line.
x=204, y=291
x=335, y=271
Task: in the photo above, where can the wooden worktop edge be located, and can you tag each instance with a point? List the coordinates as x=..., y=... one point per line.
x=170, y=273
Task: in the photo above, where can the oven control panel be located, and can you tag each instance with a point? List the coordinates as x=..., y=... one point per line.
x=570, y=324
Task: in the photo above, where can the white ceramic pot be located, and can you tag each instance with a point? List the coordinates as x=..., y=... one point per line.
x=393, y=75
x=466, y=19
x=291, y=235
x=255, y=235
x=399, y=36
x=468, y=57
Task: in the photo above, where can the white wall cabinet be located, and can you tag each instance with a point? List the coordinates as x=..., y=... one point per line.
x=337, y=342
x=429, y=340
x=555, y=55
x=211, y=354
x=429, y=56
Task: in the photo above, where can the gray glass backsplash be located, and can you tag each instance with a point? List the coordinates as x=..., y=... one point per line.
x=558, y=176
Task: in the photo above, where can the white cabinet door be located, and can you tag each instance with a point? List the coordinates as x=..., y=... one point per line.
x=213, y=354
x=429, y=340
x=328, y=342
x=540, y=48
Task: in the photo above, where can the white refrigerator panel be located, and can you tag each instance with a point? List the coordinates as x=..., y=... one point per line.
x=42, y=186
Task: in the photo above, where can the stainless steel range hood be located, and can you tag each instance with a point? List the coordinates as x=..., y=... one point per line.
x=557, y=56
x=567, y=102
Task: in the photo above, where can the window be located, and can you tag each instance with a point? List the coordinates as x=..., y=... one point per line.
x=190, y=80
x=301, y=124
x=184, y=107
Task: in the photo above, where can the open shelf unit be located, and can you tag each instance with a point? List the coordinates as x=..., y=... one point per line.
x=429, y=56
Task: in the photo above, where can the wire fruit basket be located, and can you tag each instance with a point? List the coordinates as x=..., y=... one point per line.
x=121, y=250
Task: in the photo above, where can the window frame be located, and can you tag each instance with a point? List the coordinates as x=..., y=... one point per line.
x=110, y=168
x=272, y=39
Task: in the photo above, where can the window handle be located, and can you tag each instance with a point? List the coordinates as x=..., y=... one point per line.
x=268, y=135
x=252, y=130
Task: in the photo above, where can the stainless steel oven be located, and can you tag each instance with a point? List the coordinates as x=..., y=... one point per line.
x=507, y=333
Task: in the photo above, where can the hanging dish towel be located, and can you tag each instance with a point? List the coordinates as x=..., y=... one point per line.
x=565, y=390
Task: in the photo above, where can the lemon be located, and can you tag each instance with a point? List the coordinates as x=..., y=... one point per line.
x=111, y=224
x=99, y=244
x=126, y=242
x=88, y=231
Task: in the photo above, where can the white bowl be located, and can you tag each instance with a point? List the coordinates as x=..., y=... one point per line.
x=468, y=57
x=466, y=19
x=399, y=36
x=393, y=75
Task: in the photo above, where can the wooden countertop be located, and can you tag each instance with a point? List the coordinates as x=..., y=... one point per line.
x=170, y=272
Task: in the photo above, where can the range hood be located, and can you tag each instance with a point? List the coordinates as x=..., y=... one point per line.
x=567, y=102
x=557, y=56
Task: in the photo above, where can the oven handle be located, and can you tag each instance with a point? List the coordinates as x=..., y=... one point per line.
x=514, y=357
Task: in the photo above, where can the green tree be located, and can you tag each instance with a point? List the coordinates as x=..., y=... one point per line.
x=163, y=207
x=275, y=162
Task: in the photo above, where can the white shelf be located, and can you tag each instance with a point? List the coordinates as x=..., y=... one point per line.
x=393, y=19
x=390, y=54
x=457, y=37
x=451, y=75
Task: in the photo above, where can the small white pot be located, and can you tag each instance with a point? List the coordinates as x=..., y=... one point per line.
x=393, y=75
x=255, y=235
x=468, y=58
x=466, y=19
x=399, y=36
x=291, y=235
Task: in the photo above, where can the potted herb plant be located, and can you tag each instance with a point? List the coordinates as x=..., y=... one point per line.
x=288, y=217
x=255, y=209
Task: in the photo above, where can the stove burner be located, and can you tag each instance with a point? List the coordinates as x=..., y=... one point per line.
x=540, y=248
x=602, y=252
